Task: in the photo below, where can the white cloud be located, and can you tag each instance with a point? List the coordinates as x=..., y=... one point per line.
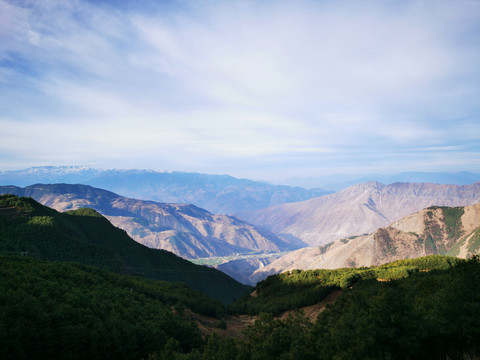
x=217, y=82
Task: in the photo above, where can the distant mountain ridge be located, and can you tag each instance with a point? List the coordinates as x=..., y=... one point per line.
x=216, y=193
x=359, y=209
x=453, y=231
x=183, y=229
x=340, y=181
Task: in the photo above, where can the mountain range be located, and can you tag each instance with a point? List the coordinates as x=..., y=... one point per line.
x=183, y=229
x=453, y=231
x=216, y=193
x=192, y=232
x=357, y=210
x=338, y=182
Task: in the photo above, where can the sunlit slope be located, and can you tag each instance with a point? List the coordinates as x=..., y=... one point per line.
x=298, y=288
x=436, y=230
x=425, y=308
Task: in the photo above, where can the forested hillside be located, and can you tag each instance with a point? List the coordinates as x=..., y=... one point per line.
x=427, y=315
x=295, y=289
x=425, y=308
x=84, y=236
x=59, y=310
x=414, y=309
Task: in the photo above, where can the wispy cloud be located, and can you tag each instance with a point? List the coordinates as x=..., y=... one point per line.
x=261, y=89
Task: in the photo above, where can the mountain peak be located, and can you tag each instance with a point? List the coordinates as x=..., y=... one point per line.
x=364, y=188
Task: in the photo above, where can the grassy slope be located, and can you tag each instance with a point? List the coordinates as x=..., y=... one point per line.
x=86, y=237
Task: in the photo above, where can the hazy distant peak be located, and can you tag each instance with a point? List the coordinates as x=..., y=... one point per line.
x=365, y=187
x=340, y=181
x=53, y=169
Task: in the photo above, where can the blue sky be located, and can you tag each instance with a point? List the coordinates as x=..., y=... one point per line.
x=258, y=89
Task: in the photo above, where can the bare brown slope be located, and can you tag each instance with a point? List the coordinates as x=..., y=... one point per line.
x=437, y=230
x=183, y=229
x=237, y=324
x=359, y=209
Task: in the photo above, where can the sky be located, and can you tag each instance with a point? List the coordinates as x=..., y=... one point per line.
x=257, y=89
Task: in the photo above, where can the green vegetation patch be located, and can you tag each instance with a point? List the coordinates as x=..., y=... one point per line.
x=453, y=222
x=41, y=221
x=84, y=212
x=474, y=242
x=59, y=311
x=299, y=288
x=23, y=205
x=435, y=233
x=455, y=249
x=323, y=249
x=384, y=241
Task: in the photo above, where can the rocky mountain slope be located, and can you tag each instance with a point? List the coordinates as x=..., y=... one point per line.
x=217, y=193
x=358, y=210
x=451, y=231
x=183, y=229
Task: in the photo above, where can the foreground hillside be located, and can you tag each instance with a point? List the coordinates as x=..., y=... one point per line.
x=217, y=193
x=86, y=237
x=69, y=311
x=425, y=308
x=432, y=231
x=299, y=288
x=183, y=229
x=359, y=209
